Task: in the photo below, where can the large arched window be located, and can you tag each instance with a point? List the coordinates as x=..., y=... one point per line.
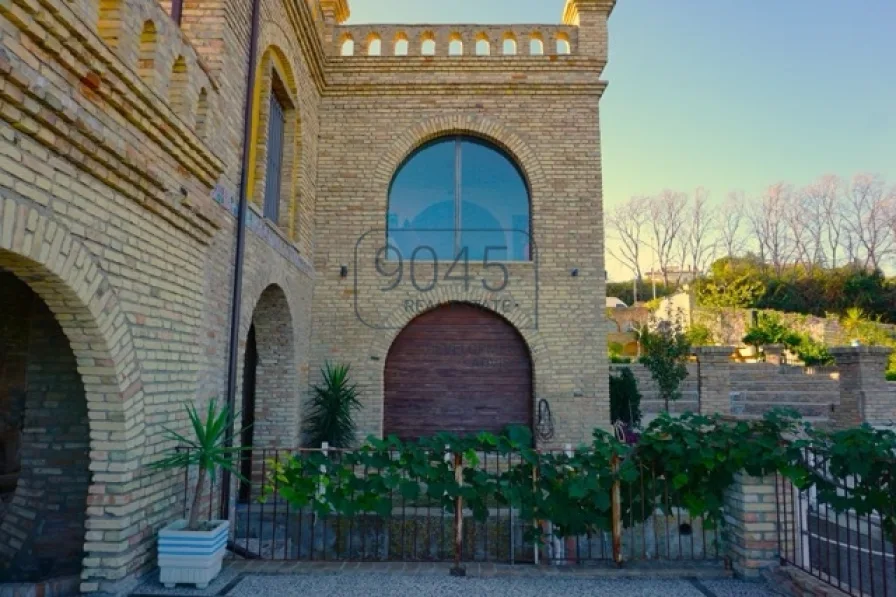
x=459, y=197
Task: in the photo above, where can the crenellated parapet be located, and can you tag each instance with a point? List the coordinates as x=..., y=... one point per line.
x=591, y=18
x=150, y=44
x=468, y=40
x=122, y=94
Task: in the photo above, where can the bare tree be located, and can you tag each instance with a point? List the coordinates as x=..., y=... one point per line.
x=826, y=192
x=891, y=201
x=625, y=222
x=868, y=218
x=697, y=233
x=768, y=219
x=805, y=218
x=666, y=218
x=731, y=224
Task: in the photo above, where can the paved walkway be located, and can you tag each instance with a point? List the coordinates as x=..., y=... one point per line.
x=256, y=579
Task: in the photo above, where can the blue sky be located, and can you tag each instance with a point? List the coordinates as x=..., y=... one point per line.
x=728, y=94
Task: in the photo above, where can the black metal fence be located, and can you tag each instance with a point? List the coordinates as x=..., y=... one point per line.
x=425, y=530
x=849, y=551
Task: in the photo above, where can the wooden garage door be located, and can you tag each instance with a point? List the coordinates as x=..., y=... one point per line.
x=458, y=368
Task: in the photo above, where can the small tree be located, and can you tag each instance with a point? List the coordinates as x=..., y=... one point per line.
x=625, y=399
x=665, y=350
x=331, y=418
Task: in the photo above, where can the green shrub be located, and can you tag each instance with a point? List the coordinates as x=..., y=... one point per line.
x=891, y=375
x=770, y=329
x=331, y=418
x=620, y=360
x=625, y=399
x=813, y=353
x=699, y=335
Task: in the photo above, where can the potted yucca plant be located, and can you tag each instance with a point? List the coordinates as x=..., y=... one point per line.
x=192, y=550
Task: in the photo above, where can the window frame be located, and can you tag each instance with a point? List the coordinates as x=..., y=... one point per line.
x=459, y=139
x=273, y=189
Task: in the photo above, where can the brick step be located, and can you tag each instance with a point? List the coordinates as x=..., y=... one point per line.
x=751, y=376
x=677, y=406
x=784, y=386
x=813, y=420
x=784, y=396
x=804, y=409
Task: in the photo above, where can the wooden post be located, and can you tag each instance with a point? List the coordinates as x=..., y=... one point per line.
x=458, y=570
x=535, y=545
x=616, y=504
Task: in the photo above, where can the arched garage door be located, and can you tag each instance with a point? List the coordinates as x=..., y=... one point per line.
x=458, y=368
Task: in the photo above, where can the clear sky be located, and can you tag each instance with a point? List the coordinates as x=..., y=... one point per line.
x=727, y=94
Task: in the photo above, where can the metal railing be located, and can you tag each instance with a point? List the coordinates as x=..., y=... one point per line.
x=644, y=524
x=841, y=548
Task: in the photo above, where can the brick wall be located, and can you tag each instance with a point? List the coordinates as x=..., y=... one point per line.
x=120, y=147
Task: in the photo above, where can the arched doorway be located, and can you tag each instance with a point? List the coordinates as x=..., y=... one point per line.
x=44, y=441
x=458, y=368
x=248, y=413
x=269, y=409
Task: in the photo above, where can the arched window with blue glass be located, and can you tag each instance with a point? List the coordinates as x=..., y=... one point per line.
x=459, y=196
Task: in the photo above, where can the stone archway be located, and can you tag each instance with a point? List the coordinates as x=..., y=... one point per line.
x=57, y=267
x=44, y=441
x=276, y=397
x=457, y=368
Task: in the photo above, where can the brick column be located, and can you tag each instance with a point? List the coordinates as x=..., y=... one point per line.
x=865, y=396
x=752, y=518
x=334, y=13
x=714, y=378
x=591, y=17
x=774, y=353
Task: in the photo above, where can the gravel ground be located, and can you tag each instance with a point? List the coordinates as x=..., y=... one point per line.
x=392, y=585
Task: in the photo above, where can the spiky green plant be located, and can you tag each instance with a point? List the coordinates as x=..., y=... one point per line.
x=205, y=450
x=331, y=418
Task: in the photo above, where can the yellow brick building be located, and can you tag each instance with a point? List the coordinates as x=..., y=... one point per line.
x=122, y=161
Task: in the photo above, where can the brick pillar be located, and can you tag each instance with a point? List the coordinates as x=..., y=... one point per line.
x=714, y=378
x=752, y=517
x=335, y=12
x=591, y=17
x=774, y=353
x=865, y=396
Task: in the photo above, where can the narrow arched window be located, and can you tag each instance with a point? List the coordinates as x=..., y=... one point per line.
x=483, y=48
x=459, y=196
x=401, y=46
x=536, y=46
x=509, y=47
x=347, y=48
x=374, y=46
x=563, y=47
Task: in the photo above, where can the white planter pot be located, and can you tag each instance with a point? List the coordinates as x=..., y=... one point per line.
x=193, y=557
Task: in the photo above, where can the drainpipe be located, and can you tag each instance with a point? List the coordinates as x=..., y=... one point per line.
x=236, y=299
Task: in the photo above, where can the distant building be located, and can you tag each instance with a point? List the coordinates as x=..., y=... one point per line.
x=615, y=303
x=675, y=275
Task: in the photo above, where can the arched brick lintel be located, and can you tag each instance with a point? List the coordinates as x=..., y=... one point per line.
x=475, y=125
x=62, y=271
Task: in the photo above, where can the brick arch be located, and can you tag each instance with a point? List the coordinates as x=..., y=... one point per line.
x=461, y=124
x=276, y=420
x=61, y=270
